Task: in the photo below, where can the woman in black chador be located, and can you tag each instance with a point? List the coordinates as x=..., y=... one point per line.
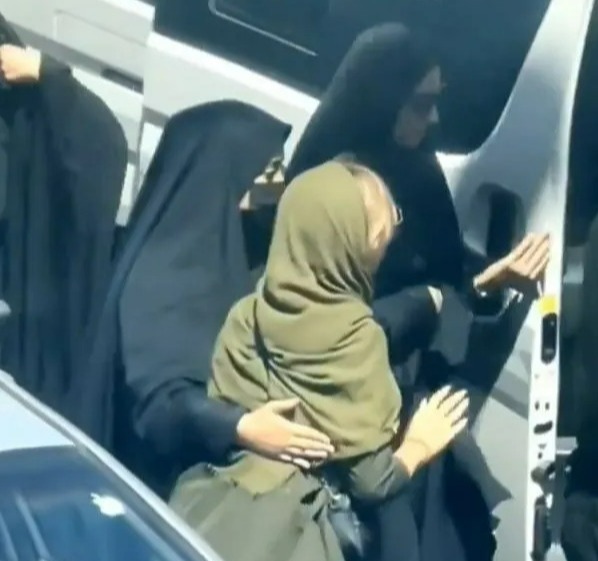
x=65, y=157
x=192, y=246
x=377, y=111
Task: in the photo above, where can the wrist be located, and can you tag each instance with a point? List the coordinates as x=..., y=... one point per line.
x=35, y=59
x=412, y=454
x=481, y=285
x=242, y=430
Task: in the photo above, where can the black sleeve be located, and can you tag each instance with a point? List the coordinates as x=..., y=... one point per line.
x=51, y=67
x=81, y=131
x=375, y=477
x=58, y=91
x=409, y=320
x=182, y=423
x=473, y=262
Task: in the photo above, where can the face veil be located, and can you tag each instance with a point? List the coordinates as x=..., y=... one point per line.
x=359, y=108
x=356, y=117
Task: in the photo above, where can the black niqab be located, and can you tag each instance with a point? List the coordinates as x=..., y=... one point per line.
x=356, y=116
x=183, y=263
x=193, y=266
x=66, y=163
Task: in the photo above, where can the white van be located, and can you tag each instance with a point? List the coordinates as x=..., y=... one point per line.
x=516, y=144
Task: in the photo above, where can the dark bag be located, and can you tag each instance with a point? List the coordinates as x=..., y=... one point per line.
x=342, y=517
x=346, y=524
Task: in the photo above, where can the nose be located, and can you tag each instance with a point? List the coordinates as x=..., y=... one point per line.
x=434, y=118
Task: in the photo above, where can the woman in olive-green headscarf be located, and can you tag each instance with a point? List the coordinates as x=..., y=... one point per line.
x=307, y=332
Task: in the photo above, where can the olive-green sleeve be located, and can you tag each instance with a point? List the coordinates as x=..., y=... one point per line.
x=374, y=477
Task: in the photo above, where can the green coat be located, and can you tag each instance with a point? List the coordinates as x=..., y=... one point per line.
x=289, y=523
x=312, y=314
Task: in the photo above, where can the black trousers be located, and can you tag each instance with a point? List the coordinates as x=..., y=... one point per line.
x=415, y=525
x=580, y=526
x=442, y=515
x=397, y=531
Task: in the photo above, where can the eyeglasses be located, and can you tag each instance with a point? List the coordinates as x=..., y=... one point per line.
x=397, y=221
x=399, y=217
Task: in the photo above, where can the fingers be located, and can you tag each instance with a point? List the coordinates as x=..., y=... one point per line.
x=305, y=458
x=313, y=437
x=316, y=447
x=459, y=427
x=439, y=396
x=522, y=247
x=300, y=462
x=283, y=406
x=539, y=245
x=453, y=402
x=540, y=268
x=459, y=413
x=538, y=251
x=307, y=453
x=531, y=257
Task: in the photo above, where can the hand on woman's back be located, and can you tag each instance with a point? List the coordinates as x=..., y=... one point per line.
x=437, y=421
x=268, y=431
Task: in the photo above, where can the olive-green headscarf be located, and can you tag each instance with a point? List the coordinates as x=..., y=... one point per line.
x=312, y=310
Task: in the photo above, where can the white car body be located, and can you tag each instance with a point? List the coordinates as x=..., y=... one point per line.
x=31, y=426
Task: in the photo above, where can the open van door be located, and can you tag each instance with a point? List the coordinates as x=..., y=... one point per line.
x=518, y=178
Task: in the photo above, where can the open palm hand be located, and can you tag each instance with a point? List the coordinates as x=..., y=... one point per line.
x=521, y=269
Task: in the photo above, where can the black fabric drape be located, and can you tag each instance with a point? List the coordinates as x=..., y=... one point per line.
x=580, y=525
x=182, y=265
x=66, y=163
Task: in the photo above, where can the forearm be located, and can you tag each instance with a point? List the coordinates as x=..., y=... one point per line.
x=378, y=476
x=181, y=421
x=409, y=320
x=411, y=455
x=58, y=94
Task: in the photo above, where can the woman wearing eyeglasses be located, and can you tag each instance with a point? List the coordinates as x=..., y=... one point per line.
x=379, y=108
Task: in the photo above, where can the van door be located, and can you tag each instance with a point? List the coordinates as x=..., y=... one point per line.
x=524, y=164
x=511, y=70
